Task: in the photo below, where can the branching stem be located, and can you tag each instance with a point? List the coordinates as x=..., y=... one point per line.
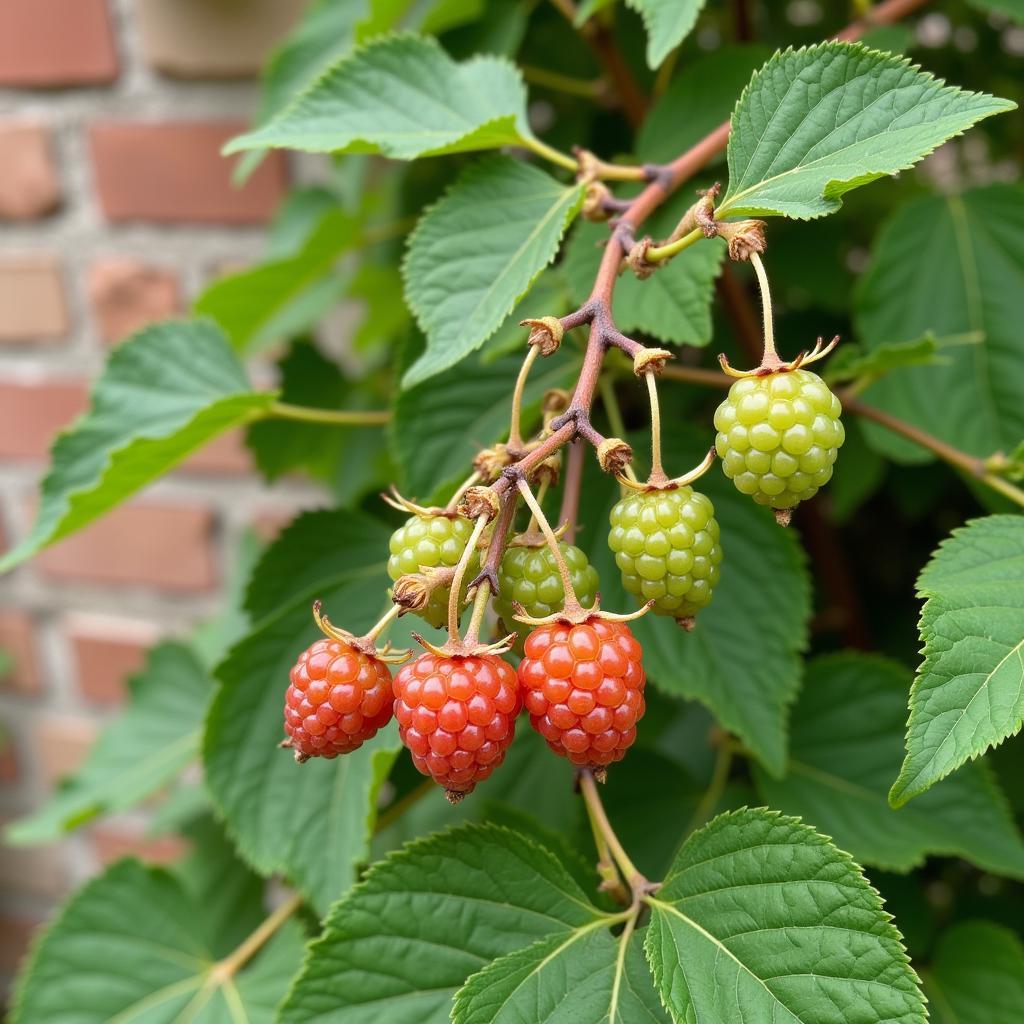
x=657, y=253
x=600, y=824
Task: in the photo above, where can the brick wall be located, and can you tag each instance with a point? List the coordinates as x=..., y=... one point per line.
x=115, y=209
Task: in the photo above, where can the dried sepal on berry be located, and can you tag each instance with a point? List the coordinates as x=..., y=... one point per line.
x=546, y=333
x=614, y=455
x=479, y=501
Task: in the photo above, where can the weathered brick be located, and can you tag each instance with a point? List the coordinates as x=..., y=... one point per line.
x=32, y=306
x=113, y=840
x=17, y=641
x=56, y=42
x=62, y=742
x=32, y=412
x=9, y=761
x=32, y=870
x=16, y=931
x=107, y=650
x=169, y=547
x=172, y=171
x=199, y=39
x=126, y=295
x=28, y=184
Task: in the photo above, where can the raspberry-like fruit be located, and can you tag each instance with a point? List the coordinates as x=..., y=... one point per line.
x=583, y=687
x=338, y=698
x=778, y=436
x=457, y=716
x=426, y=541
x=667, y=546
x=530, y=577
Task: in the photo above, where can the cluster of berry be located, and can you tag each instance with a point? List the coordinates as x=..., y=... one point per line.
x=580, y=677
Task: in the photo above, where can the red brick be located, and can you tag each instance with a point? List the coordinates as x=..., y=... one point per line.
x=164, y=546
x=126, y=295
x=267, y=524
x=32, y=306
x=56, y=42
x=107, y=651
x=112, y=841
x=17, y=641
x=16, y=931
x=31, y=413
x=61, y=744
x=9, y=767
x=32, y=870
x=199, y=39
x=28, y=185
x=172, y=171
x=224, y=454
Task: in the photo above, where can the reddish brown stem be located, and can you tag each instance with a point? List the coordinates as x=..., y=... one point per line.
x=597, y=311
x=572, y=481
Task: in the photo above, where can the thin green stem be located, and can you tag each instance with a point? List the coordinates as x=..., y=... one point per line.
x=480, y=602
x=658, y=253
x=515, y=437
x=552, y=155
x=657, y=473
x=600, y=823
x=766, y=307
x=224, y=970
x=588, y=88
x=455, y=597
x=329, y=417
x=542, y=491
x=719, y=780
x=400, y=806
x=389, y=616
x=552, y=541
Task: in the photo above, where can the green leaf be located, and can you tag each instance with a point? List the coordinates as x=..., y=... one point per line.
x=474, y=255
x=976, y=975
x=817, y=122
x=743, y=658
x=399, y=944
x=311, y=821
x=130, y=945
x=142, y=750
x=699, y=98
x=164, y=393
x=952, y=266
x=673, y=305
x=308, y=378
x=851, y=363
x=847, y=740
x=1011, y=8
x=668, y=23
x=969, y=691
x=439, y=426
x=325, y=34
x=404, y=97
x=279, y=299
x=586, y=977
x=762, y=919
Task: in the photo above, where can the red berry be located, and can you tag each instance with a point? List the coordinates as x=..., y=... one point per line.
x=583, y=687
x=457, y=716
x=338, y=698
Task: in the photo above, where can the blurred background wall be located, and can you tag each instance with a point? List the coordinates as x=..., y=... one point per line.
x=115, y=209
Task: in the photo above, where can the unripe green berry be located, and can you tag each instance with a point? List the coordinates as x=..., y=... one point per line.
x=431, y=542
x=778, y=436
x=667, y=547
x=530, y=577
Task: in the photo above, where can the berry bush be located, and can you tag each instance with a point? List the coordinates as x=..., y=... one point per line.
x=756, y=777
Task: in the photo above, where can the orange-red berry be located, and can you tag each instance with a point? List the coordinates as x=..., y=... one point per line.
x=338, y=698
x=583, y=688
x=457, y=716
